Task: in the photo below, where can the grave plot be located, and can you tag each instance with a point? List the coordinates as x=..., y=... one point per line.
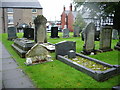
x=22, y=45
x=37, y=54
x=98, y=70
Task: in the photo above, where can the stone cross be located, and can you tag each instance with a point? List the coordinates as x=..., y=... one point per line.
x=40, y=29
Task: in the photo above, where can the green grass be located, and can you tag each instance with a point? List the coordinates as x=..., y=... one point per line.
x=59, y=75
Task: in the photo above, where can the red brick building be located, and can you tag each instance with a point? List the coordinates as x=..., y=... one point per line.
x=68, y=17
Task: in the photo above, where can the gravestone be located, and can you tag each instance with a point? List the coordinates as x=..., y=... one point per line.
x=29, y=33
x=54, y=32
x=63, y=48
x=22, y=45
x=105, y=38
x=65, y=32
x=115, y=34
x=37, y=54
x=76, y=31
x=12, y=33
x=40, y=29
x=89, y=36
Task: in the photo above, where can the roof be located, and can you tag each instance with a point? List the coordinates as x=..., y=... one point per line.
x=21, y=4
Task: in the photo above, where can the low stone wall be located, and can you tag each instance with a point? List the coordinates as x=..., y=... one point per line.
x=97, y=75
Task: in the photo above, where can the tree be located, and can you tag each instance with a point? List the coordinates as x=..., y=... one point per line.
x=79, y=21
x=98, y=9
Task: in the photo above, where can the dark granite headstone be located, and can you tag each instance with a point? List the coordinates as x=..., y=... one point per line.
x=12, y=33
x=89, y=34
x=65, y=33
x=63, y=48
x=28, y=33
x=54, y=32
x=105, y=38
x=97, y=35
x=76, y=31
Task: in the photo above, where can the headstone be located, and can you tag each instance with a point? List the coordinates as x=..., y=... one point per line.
x=40, y=29
x=105, y=38
x=65, y=32
x=115, y=34
x=63, y=48
x=22, y=45
x=37, y=54
x=29, y=33
x=97, y=35
x=76, y=31
x=54, y=32
x=12, y=33
x=89, y=36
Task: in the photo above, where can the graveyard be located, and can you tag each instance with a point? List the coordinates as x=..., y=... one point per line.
x=57, y=74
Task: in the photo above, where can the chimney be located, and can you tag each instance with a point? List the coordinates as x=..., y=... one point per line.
x=71, y=7
x=64, y=8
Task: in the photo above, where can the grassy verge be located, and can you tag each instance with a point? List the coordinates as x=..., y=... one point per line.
x=59, y=75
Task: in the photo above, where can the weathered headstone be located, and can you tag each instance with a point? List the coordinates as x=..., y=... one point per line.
x=28, y=33
x=40, y=29
x=54, y=32
x=12, y=33
x=22, y=45
x=115, y=34
x=63, y=48
x=89, y=36
x=76, y=31
x=37, y=54
x=105, y=38
x=65, y=32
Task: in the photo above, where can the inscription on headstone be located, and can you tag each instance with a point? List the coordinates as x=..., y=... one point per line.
x=12, y=33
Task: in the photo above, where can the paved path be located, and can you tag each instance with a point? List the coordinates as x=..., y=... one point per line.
x=12, y=76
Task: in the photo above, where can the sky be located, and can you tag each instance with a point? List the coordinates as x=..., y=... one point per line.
x=52, y=9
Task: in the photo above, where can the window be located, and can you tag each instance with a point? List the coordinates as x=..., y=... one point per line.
x=10, y=19
x=34, y=10
x=10, y=10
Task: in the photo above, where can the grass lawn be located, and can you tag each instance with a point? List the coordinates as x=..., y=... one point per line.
x=56, y=74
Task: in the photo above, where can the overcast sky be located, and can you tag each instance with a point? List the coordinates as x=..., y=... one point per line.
x=52, y=9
